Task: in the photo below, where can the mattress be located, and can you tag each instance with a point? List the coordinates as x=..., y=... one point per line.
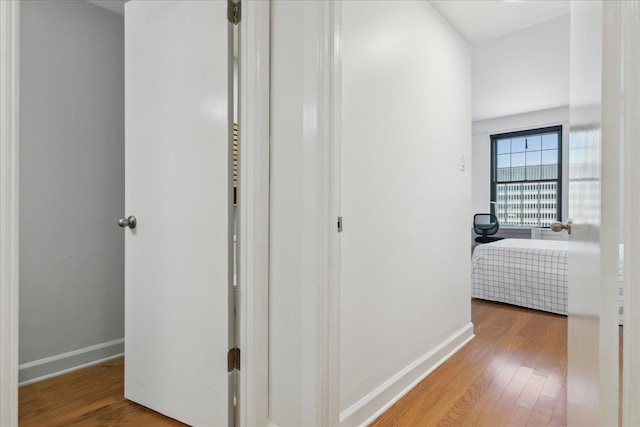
x=526, y=272
x=523, y=272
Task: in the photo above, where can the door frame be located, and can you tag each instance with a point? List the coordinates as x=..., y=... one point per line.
x=305, y=137
x=631, y=235
x=253, y=226
x=253, y=212
x=9, y=251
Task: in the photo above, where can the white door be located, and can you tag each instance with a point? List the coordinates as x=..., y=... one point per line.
x=178, y=267
x=594, y=202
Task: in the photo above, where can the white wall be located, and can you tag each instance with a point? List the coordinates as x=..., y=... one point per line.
x=523, y=71
x=520, y=81
x=71, y=185
x=406, y=125
x=481, y=168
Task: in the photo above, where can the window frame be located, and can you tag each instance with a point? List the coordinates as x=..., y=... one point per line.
x=527, y=132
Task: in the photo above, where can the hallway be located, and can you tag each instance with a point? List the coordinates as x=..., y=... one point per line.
x=513, y=373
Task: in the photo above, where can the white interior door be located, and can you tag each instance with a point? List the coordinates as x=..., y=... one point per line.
x=178, y=266
x=594, y=201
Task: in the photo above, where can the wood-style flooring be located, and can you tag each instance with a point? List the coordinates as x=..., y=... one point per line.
x=513, y=373
x=89, y=397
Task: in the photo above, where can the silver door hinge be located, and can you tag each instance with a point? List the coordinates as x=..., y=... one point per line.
x=233, y=11
x=339, y=224
x=233, y=359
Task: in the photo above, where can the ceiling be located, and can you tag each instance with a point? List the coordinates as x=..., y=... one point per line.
x=116, y=6
x=475, y=20
x=480, y=20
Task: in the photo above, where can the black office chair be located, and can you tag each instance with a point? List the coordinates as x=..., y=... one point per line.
x=486, y=225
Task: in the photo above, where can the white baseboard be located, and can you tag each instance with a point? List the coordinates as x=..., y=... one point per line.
x=367, y=409
x=53, y=366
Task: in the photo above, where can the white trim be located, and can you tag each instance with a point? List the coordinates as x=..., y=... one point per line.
x=371, y=406
x=9, y=264
x=609, y=221
x=70, y=354
x=253, y=213
x=336, y=209
x=328, y=157
x=631, y=186
x=74, y=368
x=49, y=367
x=303, y=122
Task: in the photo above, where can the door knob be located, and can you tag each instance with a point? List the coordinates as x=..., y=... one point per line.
x=130, y=222
x=558, y=226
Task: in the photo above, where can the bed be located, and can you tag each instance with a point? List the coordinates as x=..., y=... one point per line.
x=526, y=272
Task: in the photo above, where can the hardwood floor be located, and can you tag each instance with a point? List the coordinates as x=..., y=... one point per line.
x=513, y=373
x=89, y=397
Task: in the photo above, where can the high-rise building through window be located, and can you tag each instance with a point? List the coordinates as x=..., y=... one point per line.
x=526, y=176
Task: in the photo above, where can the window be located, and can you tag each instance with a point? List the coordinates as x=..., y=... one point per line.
x=526, y=176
